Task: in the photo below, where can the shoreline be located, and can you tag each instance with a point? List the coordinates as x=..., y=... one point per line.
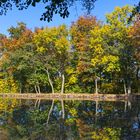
x=69, y=96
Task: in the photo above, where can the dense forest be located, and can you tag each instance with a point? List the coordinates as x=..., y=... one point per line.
x=88, y=57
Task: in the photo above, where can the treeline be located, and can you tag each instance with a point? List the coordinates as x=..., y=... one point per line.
x=90, y=56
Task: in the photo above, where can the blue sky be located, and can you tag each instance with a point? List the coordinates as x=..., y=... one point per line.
x=32, y=15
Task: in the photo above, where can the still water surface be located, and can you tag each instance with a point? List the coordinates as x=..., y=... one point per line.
x=69, y=120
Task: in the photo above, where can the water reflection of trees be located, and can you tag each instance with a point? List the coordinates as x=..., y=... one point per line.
x=48, y=120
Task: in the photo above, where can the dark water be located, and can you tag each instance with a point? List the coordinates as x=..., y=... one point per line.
x=69, y=120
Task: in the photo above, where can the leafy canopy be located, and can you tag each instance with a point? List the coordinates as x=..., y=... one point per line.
x=52, y=7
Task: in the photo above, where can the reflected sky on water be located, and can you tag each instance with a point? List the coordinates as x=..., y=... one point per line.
x=69, y=120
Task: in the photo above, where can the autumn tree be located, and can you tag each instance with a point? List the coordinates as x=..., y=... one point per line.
x=135, y=38
x=80, y=35
x=52, y=47
x=14, y=59
x=88, y=57
x=103, y=61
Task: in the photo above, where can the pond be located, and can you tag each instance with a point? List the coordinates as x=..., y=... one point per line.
x=69, y=120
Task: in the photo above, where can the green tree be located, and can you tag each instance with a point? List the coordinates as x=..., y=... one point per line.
x=52, y=50
x=121, y=43
x=102, y=59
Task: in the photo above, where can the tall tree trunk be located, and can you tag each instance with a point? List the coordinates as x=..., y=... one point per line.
x=50, y=81
x=96, y=86
x=38, y=87
x=125, y=89
x=63, y=83
x=35, y=89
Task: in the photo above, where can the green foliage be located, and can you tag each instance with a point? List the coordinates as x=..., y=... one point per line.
x=107, y=134
x=8, y=85
x=70, y=60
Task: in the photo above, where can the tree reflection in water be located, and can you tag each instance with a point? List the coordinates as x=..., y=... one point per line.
x=69, y=120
